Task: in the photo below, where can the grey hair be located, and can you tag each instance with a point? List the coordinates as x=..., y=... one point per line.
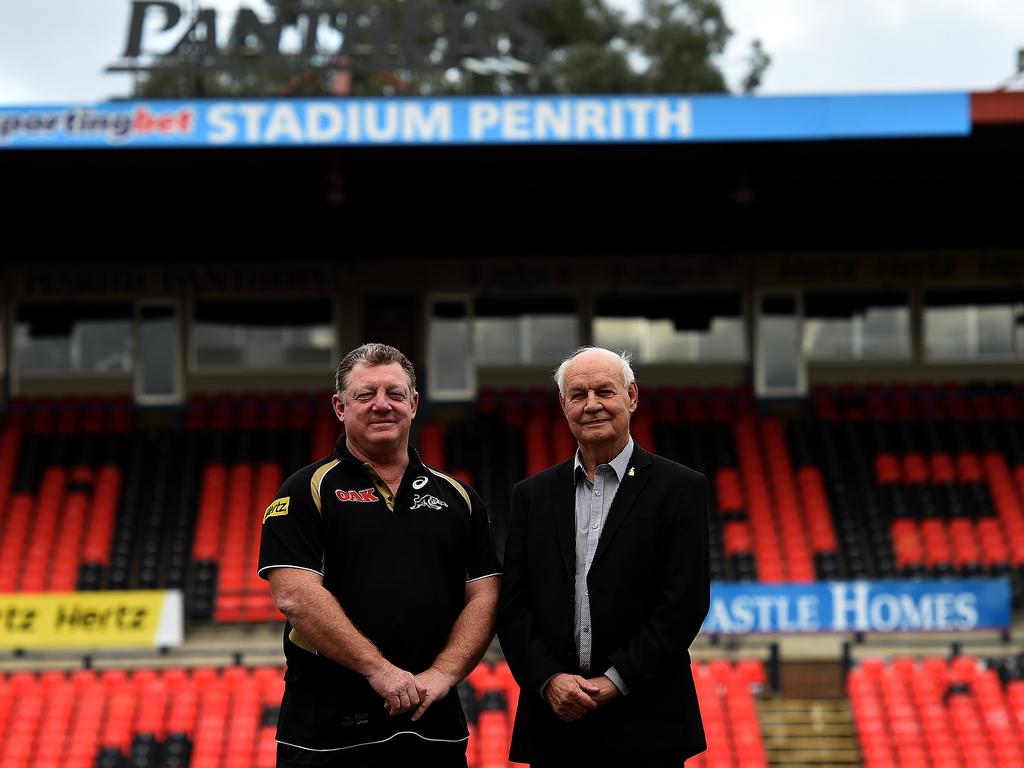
x=623, y=357
x=372, y=354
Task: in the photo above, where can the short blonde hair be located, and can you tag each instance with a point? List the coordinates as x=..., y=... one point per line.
x=372, y=353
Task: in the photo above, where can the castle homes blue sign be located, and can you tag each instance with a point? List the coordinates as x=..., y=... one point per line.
x=859, y=606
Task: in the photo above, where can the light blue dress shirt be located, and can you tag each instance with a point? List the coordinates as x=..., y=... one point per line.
x=593, y=500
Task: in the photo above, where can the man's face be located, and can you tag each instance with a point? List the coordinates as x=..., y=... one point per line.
x=596, y=403
x=377, y=407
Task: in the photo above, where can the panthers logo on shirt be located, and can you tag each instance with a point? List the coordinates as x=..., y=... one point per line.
x=426, y=500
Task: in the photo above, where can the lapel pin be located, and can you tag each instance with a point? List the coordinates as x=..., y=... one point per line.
x=632, y=471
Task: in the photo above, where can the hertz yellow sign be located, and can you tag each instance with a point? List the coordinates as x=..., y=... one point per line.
x=91, y=619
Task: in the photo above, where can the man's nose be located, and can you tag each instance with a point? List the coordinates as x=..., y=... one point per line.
x=592, y=401
x=380, y=401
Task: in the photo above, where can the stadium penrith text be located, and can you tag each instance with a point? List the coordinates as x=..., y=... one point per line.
x=484, y=120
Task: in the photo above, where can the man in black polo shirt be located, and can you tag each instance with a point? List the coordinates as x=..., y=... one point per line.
x=386, y=572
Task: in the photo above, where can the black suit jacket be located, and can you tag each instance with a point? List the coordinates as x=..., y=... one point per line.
x=649, y=588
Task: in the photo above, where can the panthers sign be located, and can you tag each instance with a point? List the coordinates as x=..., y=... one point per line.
x=333, y=36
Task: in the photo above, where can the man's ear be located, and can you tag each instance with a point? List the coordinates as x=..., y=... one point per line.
x=339, y=407
x=414, y=404
x=634, y=395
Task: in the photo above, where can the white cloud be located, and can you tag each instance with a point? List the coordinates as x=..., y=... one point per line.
x=56, y=50
x=878, y=45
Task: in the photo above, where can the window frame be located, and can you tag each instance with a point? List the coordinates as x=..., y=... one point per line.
x=194, y=367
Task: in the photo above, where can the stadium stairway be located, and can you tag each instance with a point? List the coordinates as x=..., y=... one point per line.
x=808, y=733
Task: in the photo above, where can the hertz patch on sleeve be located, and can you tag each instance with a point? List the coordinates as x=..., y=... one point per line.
x=277, y=508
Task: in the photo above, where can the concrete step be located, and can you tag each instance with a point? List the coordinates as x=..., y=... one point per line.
x=810, y=729
x=804, y=717
x=780, y=757
x=788, y=741
x=800, y=705
x=800, y=733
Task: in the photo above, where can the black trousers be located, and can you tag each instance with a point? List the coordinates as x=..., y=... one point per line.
x=400, y=751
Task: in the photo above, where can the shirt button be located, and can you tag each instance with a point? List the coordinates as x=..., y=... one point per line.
x=597, y=493
x=594, y=526
x=586, y=630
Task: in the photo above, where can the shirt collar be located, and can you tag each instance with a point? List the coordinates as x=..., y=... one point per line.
x=343, y=454
x=618, y=464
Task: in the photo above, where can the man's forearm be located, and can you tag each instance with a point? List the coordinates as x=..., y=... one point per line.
x=470, y=635
x=318, y=617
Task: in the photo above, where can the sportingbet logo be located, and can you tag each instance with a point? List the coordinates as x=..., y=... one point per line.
x=365, y=495
x=114, y=126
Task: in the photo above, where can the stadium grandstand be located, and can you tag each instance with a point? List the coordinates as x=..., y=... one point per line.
x=145, y=432
x=826, y=318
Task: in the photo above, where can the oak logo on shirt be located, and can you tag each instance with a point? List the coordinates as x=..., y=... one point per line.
x=367, y=494
x=277, y=508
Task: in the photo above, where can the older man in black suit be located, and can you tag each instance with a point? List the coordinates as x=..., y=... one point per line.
x=605, y=586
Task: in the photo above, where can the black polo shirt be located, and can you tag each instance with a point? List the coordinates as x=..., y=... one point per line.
x=398, y=566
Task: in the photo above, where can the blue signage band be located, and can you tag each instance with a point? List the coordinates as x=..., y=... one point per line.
x=482, y=121
x=860, y=606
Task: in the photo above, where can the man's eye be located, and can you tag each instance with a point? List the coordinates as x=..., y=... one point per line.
x=397, y=395
x=577, y=396
x=363, y=396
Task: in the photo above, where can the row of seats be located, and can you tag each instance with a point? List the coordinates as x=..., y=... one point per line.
x=226, y=718
x=901, y=465
x=71, y=414
x=204, y=718
x=941, y=467
x=915, y=400
x=227, y=540
x=47, y=539
x=936, y=713
x=726, y=692
x=90, y=500
x=971, y=546
x=253, y=411
x=861, y=492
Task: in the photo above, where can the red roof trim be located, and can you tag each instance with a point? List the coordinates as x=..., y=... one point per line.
x=1005, y=107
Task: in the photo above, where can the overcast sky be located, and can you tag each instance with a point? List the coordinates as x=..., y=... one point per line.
x=54, y=51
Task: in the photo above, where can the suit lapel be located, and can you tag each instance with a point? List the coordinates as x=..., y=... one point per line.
x=625, y=498
x=564, y=502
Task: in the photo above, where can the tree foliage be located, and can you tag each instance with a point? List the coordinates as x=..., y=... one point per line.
x=590, y=47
